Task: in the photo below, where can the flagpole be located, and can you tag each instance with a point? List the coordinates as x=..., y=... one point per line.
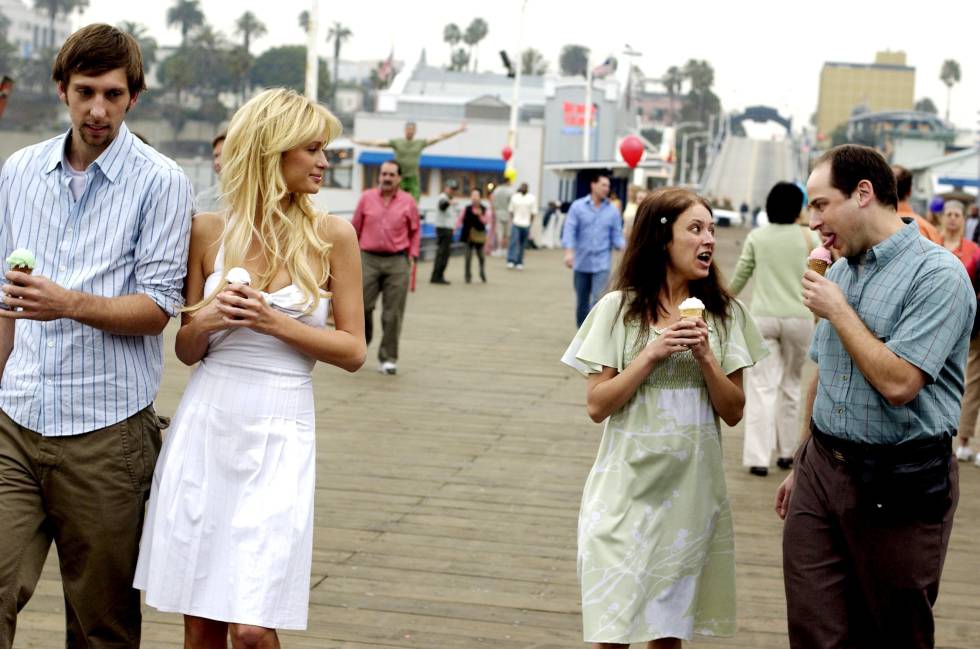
x=515, y=96
x=587, y=125
x=311, y=50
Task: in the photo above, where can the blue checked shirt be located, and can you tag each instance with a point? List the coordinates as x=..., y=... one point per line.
x=592, y=233
x=916, y=298
x=126, y=234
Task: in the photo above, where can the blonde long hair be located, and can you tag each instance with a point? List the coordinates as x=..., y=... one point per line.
x=254, y=191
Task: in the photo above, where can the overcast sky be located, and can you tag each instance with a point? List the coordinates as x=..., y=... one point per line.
x=763, y=52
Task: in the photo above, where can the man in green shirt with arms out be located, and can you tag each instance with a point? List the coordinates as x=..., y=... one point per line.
x=408, y=151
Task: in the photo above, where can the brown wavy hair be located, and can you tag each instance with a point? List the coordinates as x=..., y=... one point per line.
x=643, y=270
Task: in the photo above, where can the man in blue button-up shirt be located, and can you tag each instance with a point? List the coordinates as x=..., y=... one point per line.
x=592, y=229
x=107, y=218
x=870, y=505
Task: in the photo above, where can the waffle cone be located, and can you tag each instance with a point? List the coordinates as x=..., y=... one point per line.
x=692, y=313
x=818, y=266
x=22, y=269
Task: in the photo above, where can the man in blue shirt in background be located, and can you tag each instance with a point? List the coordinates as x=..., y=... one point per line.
x=870, y=504
x=592, y=229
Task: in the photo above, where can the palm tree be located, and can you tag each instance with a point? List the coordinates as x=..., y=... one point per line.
x=248, y=27
x=185, y=14
x=532, y=62
x=950, y=75
x=475, y=32
x=55, y=7
x=304, y=21
x=338, y=34
x=148, y=44
x=672, y=81
x=452, y=35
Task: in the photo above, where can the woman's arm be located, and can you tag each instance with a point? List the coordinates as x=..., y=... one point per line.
x=610, y=390
x=192, y=338
x=744, y=267
x=343, y=346
x=725, y=391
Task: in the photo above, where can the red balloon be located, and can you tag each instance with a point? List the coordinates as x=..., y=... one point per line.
x=507, y=152
x=631, y=148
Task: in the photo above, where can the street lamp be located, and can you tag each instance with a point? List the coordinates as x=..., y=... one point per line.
x=684, y=139
x=515, y=95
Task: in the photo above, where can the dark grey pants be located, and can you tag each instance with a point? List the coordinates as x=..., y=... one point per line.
x=444, y=241
x=389, y=277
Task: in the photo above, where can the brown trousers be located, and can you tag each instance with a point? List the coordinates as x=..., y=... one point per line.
x=87, y=494
x=853, y=582
x=389, y=277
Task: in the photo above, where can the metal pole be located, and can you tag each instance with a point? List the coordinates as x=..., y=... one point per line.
x=515, y=95
x=587, y=125
x=311, y=51
x=683, y=177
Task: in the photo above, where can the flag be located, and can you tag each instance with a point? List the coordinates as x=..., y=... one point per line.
x=387, y=67
x=606, y=68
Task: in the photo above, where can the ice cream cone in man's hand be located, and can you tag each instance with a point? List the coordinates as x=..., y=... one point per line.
x=22, y=260
x=819, y=260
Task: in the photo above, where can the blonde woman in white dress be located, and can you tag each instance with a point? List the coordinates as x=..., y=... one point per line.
x=228, y=535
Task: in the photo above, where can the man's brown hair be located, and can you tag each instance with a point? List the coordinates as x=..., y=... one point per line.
x=96, y=49
x=852, y=163
x=903, y=181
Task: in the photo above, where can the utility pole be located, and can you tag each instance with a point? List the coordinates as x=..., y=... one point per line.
x=312, y=60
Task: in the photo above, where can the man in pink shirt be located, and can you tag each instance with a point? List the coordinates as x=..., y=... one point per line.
x=387, y=224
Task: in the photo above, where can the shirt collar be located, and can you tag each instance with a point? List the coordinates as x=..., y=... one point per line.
x=110, y=162
x=888, y=249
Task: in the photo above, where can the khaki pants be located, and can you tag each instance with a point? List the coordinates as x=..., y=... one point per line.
x=389, y=276
x=87, y=494
x=772, y=391
x=971, y=395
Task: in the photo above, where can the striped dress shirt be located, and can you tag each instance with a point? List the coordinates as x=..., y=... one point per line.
x=126, y=234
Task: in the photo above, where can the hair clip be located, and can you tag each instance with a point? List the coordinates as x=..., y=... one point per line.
x=663, y=220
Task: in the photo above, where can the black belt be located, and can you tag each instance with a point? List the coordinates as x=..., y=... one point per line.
x=386, y=254
x=851, y=453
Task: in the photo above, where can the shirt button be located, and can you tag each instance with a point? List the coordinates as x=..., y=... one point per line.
x=844, y=378
x=50, y=343
x=49, y=381
x=840, y=411
x=68, y=229
x=62, y=268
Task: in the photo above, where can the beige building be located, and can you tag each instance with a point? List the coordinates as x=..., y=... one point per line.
x=886, y=84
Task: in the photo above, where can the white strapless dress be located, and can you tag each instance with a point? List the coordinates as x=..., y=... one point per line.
x=229, y=526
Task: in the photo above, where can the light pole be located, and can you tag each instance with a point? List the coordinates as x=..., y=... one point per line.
x=684, y=139
x=312, y=38
x=515, y=94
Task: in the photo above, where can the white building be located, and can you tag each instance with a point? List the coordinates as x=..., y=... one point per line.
x=30, y=30
x=956, y=172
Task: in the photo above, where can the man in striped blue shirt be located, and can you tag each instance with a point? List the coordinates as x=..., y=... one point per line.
x=80, y=343
x=592, y=229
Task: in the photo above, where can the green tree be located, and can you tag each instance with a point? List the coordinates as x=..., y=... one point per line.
x=672, y=81
x=700, y=101
x=926, y=105
x=460, y=60
x=148, y=44
x=452, y=35
x=839, y=135
x=185, y=14
x=338, y=34
x=55, y=8
x=532, y=62
x=248, y=27
x=304, y=21
x=949, y=75
x=475, y=32
x=574, y=60
x=8, y=50
x=286, y=66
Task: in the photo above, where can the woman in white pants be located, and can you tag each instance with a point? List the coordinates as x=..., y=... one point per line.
x=776, y=256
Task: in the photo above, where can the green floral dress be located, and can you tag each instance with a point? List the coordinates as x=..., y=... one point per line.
x=656, y=554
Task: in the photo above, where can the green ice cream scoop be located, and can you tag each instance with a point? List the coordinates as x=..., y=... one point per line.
x=21, y=258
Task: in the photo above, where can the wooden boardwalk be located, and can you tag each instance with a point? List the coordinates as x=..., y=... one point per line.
x=448, y=495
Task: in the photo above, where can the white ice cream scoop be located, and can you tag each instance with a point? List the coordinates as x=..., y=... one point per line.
x=238, y=275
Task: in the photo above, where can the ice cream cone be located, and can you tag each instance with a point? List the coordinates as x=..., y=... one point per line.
x=692, y=313
x=818, y=266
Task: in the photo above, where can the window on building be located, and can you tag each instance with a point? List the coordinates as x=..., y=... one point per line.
x=467, y=181
x=341, y=172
